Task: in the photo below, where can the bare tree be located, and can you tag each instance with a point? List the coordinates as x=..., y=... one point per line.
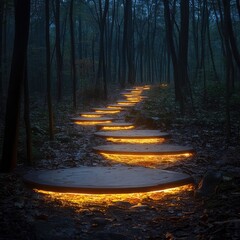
x=10, y=142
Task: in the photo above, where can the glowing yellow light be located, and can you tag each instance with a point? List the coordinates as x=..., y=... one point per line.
x=134, y=99
x=129, y=101
x=117, y=128
x=136, y=91
x=136, y=140
x=86, y=123
x=132, y=95
x=91, y=115
x=66, y=199
x=150, y=160
x=125, y=103
x=116, y=107
x=146, y=87
x=107, y=112
x=138, y=88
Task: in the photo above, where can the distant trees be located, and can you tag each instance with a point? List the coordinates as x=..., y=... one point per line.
x=89, y=45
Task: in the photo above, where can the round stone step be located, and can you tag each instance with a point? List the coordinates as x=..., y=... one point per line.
x=114, y=126
x=129, y=94
x=122, y=106
x=147, y=155
x=90, y=114
x=107, y=110
x=91, y=121
x=144, y=149
x=103, y=180
x=134, y=136
x=128, y=101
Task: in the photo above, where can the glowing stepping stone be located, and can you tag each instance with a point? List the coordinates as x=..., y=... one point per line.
x=120, y=102
x=107, y=110
x=114, y=126
x=147, y=155
x=91, y=114
x=130, y=94
x=134, y=136
x=146, y=87
x=136, y=98
x=134, y=89
x=121, y=106
x=91, y=121
x=102, y=180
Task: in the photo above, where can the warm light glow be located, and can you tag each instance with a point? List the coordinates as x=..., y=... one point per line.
x=151, y=160
x=136, y=92
x=66, y=199
x=133, y=98
x=136, y=140
x=138, y=88
x=117, y=128
x=131, y=95
x=107, y=112
x=116, y=107
x=86, y=123
x=125, y=103
x=91, y=115
x=146, y=87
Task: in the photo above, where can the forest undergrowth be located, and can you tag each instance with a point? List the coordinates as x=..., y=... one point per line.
x=207, y=211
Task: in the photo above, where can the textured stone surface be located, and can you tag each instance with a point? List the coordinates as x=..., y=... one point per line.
x=85, y=119
x=144, y=149
x=90, y=113
x=105, y=109
x=105, y=179
x=133, y=134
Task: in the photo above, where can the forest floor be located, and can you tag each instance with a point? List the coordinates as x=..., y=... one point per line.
x=210, y=211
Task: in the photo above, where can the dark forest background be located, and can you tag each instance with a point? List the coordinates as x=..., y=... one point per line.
x=72, y=51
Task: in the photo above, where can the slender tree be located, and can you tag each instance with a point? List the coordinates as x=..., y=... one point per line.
x=101, y=72
x=183, y=54
x=48, y=71
x=73, y=64
x=1, y=52
x=10, y=142
x=130, y=42
x=58, y=50
x=29, y=160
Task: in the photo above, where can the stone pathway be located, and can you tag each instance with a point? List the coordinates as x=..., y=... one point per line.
x=143, y=148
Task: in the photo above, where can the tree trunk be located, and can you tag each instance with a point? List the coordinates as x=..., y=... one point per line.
x=101, y=74
x=27, y=119
x=48, y=71
x=228, y=22
x=183, y=54
x=10, y=141
x=170, y=42
x=1, y=59
x=58, y=51
x=130, y=42
x=80, y=45
x=73, y=56
x=229, y=69
x=211, y=52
